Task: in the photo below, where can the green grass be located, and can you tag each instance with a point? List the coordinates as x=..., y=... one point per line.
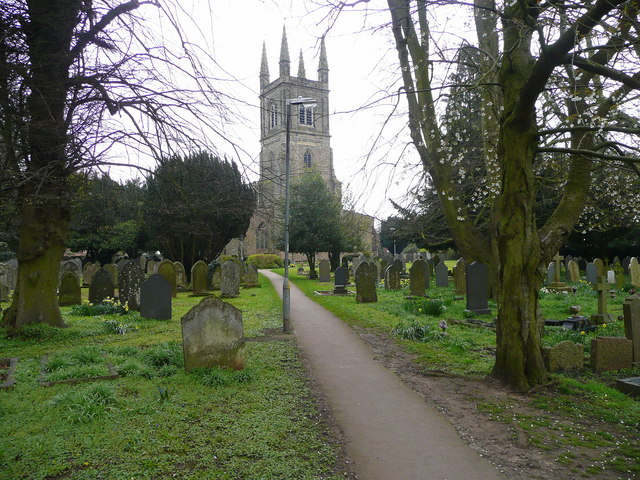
x=156, y=421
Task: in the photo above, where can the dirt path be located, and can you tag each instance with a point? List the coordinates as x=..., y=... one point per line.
x=391, y=432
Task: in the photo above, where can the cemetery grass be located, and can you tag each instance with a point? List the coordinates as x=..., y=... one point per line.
x=578, y=426
x=155, y=421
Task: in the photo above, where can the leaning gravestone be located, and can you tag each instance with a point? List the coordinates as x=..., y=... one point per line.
x=418, y=278
x=101, y=286
x=155, y=298
x=592, y=273
x=113, y=271
x=199, y=278
x=634, y=272
x=442, y=275
x=478, y=288
x=459, y=277
x=366, y=278
x=213, y=335
x=230, y=286
x=69, y=292
x=563, y=356
x=325, y=271
x=131, y=278
x=251, y=277
x=168, y=270
x=631, y=310
x=181, y=276
x=392, y=277
x=340, y=280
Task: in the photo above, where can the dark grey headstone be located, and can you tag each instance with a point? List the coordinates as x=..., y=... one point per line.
x=155, y=298
x=199, y=273
x=69, y=292
x=442, y=275
x=213, y=335
x=392, y=276
x=230, y=286
x=418, y=278
x=131, y=277
x=340, y=280
x=101, y=286
x=251, y=276
x=366, y=279
x=325, y=271
x=71, y=266
x=478, y=288
x=216, y=277
x=592, y=273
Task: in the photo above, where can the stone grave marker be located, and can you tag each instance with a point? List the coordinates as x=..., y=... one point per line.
x=325, y=271
x=71, y=267
x=142, y=261
x=167, y=269
x=436, y=260
x=87, y=273
x=4, y=292
x=392, y=277
x=101, y=286
x=216, y=277
x=564, y=356
x=631, y=311
x=340, y=280
x=69, y=292
x=442, y=275
x=611, y=353
x=199, y=273
x=230, y=286
x=366, y=278
x=251, y=277
x=418, y=278
x=11, y=269
x=459, y=277
x=611, y=277
x=155, y=298
x=573, y=271
x=567, y=259
x=634, y=271
x=551, y=272
x=181, y=276
x=620, y=278
x=602, y=316
x=131, y=277
x=592, y=273
x=629, y=386
x=213, y=335
x=557, y=282
x=113, y=271
x=625, y=264
x=152, y=267
x=599, y=265
x=478, y=288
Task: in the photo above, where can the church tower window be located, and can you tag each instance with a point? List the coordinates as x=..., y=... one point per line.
x=307, y=159
x=306, y=115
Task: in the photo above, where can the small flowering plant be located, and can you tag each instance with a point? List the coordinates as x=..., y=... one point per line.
x=108, y=306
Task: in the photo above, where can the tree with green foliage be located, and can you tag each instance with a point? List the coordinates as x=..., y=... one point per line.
x=315, y=219
x=195, y=205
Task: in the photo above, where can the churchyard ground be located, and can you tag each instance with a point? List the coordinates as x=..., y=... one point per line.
x=578, y=426
x=155, y=421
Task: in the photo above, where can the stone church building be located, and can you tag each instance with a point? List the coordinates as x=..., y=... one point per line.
x=309, y=148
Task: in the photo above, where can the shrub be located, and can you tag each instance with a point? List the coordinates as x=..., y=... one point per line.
x=265, y=260
x=430, y=307
x=106, y=307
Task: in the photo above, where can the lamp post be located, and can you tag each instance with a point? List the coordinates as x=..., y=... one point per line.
x=286, y=292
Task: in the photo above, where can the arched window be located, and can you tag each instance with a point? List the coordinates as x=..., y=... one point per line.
x=262, y=237
x=273, y=115
x=305, y=115
x=307, y=159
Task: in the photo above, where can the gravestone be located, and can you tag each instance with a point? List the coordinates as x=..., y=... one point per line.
x=216, y=277
x=142, y=261
x=168, y=270
x=564, y=356
x=101, y=286
x=631, y=311
x=573, y=271
x=325, y=271
x=355, y=263
x=611, y=277
x=436, y=260
x=152, y=267
x=629, y=386
x=557, y=282
x=87, y=272
x=199, y=278
x=5, y=274
x=230, y=285
x=418, y=278
x=567, y=259
x=551, y=272
x=113, y=271
x=213, y=335
x=611, y=353
x=602, y=316
x=634, y=271
x=71, y=267
x=442, y=275
x=340, y=280
x=251, y=277
x=459, y=277
x=69, y=292
x=625, y=264
x=392, y=277
x=399, y=265
x=131, y=277
x=620, y=278
x=155, y=298
x=478, y=288
x=4, y=292
x=592, y=273
x=366, y=279
x=181, y=276
x=599, y=265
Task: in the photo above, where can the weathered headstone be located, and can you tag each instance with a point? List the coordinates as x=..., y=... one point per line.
x=71, y=266
x=69, y=292
x=599, y=265
x=216, y=277
x=573, y=271
x=366, y=279
x=113, y=271
x=101, y=286
x=4, y=292
x=611, y=277
x=251, y=277
x=152, y=267
x=181, y=275
x=199, y=278
x=611, y=353
x=418, y=278
x=551, y=273
x=325, y=271
x=155, y=298
x=442, y=275
x=567, y=259
x=564, y=356
x=602, y=316
x=631, y=311
x=143, y=261
x=557, y=282
x=230, y=286
x=340, y=280
x=131, y=277
x=213, y=335
x=168, y=270
x=592, y=273
x=87, y=272
x=620, y=278
x=634, y=271
x=459, y=277
x=478, y=288
x=392, y=277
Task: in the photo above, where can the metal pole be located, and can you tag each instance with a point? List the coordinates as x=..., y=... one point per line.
x=286, y=292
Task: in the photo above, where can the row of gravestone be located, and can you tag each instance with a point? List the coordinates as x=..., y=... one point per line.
x=617, y=275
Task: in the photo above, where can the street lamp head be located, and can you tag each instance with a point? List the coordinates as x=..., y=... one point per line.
x=307, y=102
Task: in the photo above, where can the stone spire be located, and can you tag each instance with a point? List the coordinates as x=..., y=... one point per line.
x=264, y=67
x=301, y=73
x=323, y=66
x=285, y=63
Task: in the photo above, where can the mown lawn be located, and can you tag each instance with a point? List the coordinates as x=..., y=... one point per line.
x=155, y=421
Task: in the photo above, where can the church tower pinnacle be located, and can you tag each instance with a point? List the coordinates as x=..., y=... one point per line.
x=301, y=73
x=285, y=63
x=264, y=67
x=323, y=65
